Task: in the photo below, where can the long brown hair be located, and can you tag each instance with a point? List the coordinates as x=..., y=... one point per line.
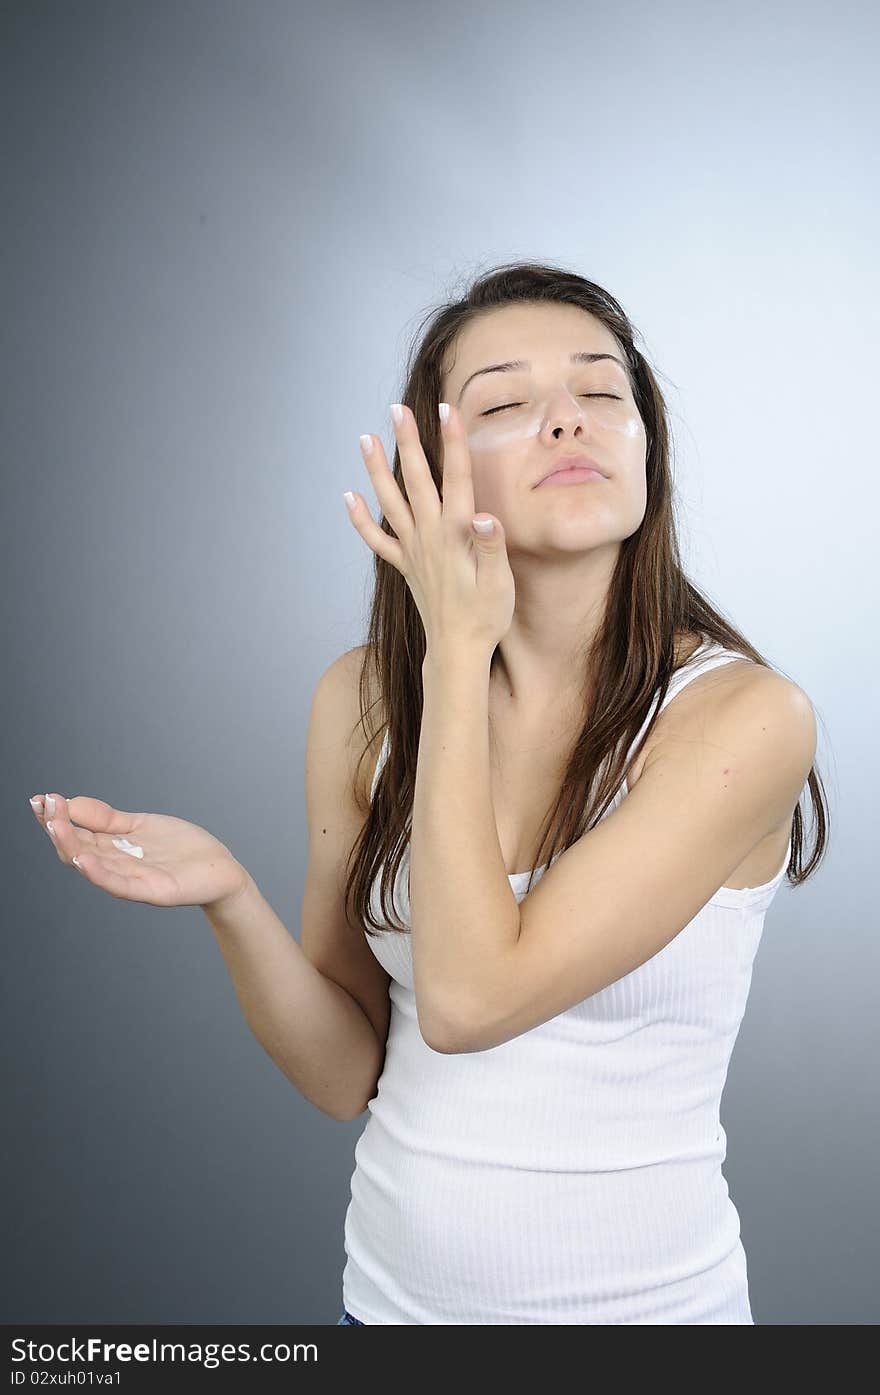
x=650, y=601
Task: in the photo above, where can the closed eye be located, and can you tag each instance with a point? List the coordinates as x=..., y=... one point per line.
x=612, y=395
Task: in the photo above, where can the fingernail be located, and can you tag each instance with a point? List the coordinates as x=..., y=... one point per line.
x=367, y=444
x=50, y=828
x=349, y=499
x=37, y=804
x=397, y=413
x=443, y=409
x=50, y=804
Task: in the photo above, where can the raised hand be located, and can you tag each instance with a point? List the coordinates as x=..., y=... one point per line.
x=154, y=858
x=461, y=582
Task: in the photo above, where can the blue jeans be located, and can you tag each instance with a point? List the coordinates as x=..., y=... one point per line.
x=348, y=1321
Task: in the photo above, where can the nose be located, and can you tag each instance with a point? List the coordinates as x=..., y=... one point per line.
x=565, y=414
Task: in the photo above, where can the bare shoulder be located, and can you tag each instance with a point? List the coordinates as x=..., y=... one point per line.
x=752, y=686
x=763, y=694
x=748, y=696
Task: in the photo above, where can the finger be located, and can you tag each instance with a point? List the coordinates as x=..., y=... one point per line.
x=59, y=830
x=68, y=840
x=458, y=480
x=375, y=537
x=44, y=807
x=420, y=487
x=51, y=806
x=93, y=817
x=128, y=887
x=100, y=817
x=48, y=806
x=391, y=501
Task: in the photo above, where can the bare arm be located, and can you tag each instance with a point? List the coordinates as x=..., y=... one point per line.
x=313, y=1029
x=319, y=1008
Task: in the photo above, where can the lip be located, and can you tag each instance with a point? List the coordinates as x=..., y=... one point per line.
x=573, y=462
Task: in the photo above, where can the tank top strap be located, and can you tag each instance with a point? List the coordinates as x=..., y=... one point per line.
x=383, y=755
x=708, y=655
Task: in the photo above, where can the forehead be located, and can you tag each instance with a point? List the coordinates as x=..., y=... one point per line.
x=533, y=332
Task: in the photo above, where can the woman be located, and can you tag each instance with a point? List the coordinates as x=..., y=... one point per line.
x=530, y=916
x=544, y=1143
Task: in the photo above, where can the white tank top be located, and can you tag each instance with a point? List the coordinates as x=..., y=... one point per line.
x=572, y=1174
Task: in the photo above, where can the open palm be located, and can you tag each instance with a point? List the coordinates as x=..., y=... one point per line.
x=180, y=864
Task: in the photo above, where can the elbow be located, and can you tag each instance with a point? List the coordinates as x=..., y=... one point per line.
x=443, y=1032
x=448, y=1044
x=348, y=1117
x=350, y=1112
x=354, y=1110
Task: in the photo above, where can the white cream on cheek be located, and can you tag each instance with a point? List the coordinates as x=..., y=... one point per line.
x=521, y=422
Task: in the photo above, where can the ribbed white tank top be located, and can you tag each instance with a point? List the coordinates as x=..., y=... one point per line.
x=572, y=1174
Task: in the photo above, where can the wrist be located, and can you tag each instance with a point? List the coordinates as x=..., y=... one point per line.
x=441, y=658
x=243, y=885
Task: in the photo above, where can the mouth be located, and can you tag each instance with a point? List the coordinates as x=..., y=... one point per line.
x=572, y=468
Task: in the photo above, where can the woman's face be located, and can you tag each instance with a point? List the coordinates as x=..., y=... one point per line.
x=520, y=421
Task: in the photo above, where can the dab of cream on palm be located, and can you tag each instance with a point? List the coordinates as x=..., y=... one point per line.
x=125, y=846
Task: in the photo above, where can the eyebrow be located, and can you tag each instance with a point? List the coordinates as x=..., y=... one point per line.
x=514, y=364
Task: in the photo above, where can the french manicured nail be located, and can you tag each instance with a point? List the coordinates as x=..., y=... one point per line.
x=50, y=828
x=367, y=444
x=397, y=413
x=37, y=804
x=50, y=804
x=443, y=409
x=350, y=500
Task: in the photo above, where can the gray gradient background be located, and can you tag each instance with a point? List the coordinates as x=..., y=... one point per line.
x=222, y=222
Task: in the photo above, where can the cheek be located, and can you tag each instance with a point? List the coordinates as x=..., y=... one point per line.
x=499, y=468
x=637, y=495
x=491, y=437
x=629, y=428
x=634, y=483
x=490, y=490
